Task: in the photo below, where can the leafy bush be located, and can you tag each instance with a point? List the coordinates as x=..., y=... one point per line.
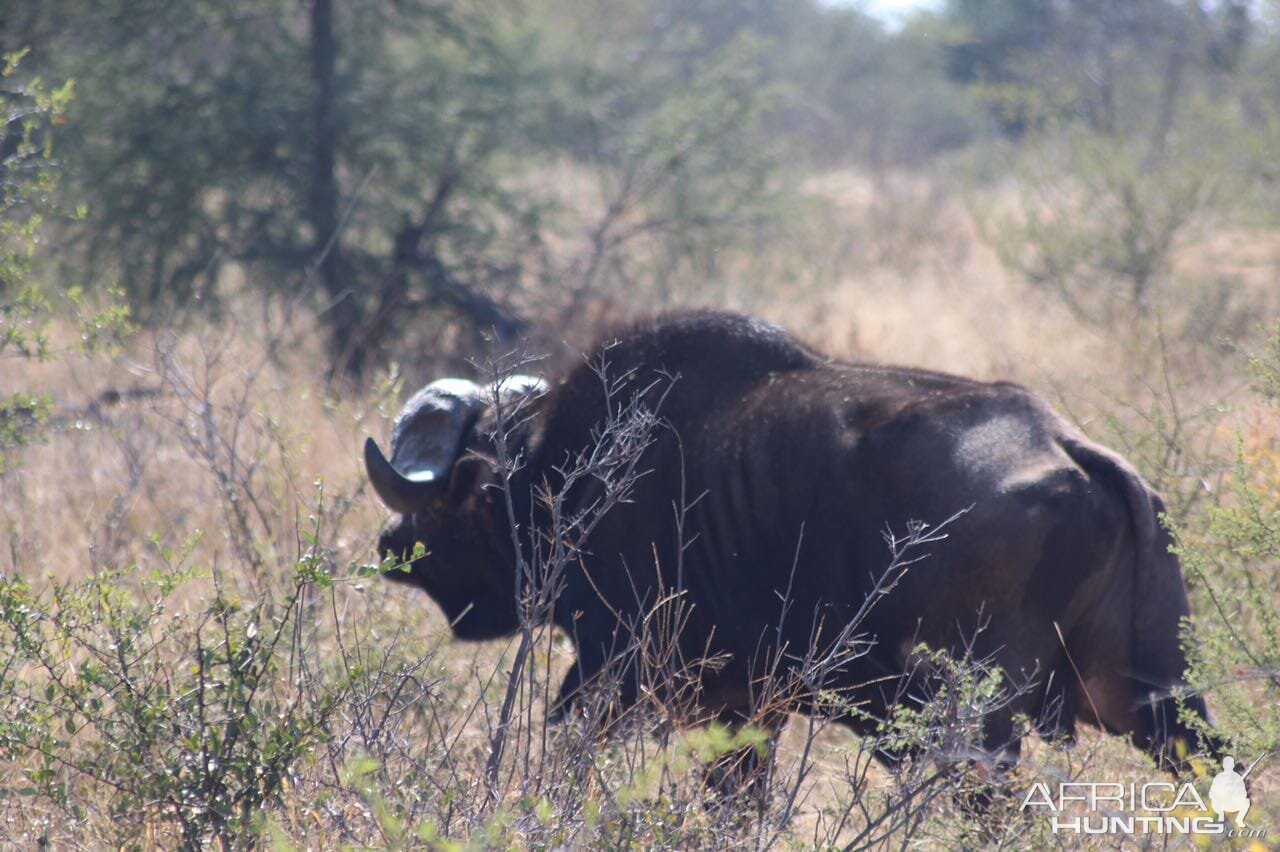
x=116, y=699
x=1233, y=642
x=28, y=177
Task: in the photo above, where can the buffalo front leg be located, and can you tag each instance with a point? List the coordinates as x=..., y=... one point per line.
x=599, y=688
x=985, y=780
x=740, y=773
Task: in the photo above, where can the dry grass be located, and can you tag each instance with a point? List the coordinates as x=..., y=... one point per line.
x=223, y=437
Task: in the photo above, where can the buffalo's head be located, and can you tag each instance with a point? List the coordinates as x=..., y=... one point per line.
x=444, y=482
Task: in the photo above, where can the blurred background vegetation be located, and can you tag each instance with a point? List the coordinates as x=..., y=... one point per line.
x=456, y=167
x=233, y=234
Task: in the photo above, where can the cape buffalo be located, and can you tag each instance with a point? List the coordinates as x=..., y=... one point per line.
x=761, y=497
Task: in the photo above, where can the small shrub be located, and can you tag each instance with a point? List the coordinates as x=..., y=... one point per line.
x=117, y=696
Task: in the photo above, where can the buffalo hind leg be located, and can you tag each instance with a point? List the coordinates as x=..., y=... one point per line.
x=1161, y=732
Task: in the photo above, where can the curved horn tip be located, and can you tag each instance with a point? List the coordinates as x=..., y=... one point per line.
x=373, y=456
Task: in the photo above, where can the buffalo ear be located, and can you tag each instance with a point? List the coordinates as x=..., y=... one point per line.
x=468, y=479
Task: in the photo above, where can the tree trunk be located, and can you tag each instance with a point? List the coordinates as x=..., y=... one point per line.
x=344, y=312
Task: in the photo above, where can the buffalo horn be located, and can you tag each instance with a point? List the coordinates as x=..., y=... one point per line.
x=399, y=492
x=430, y=433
